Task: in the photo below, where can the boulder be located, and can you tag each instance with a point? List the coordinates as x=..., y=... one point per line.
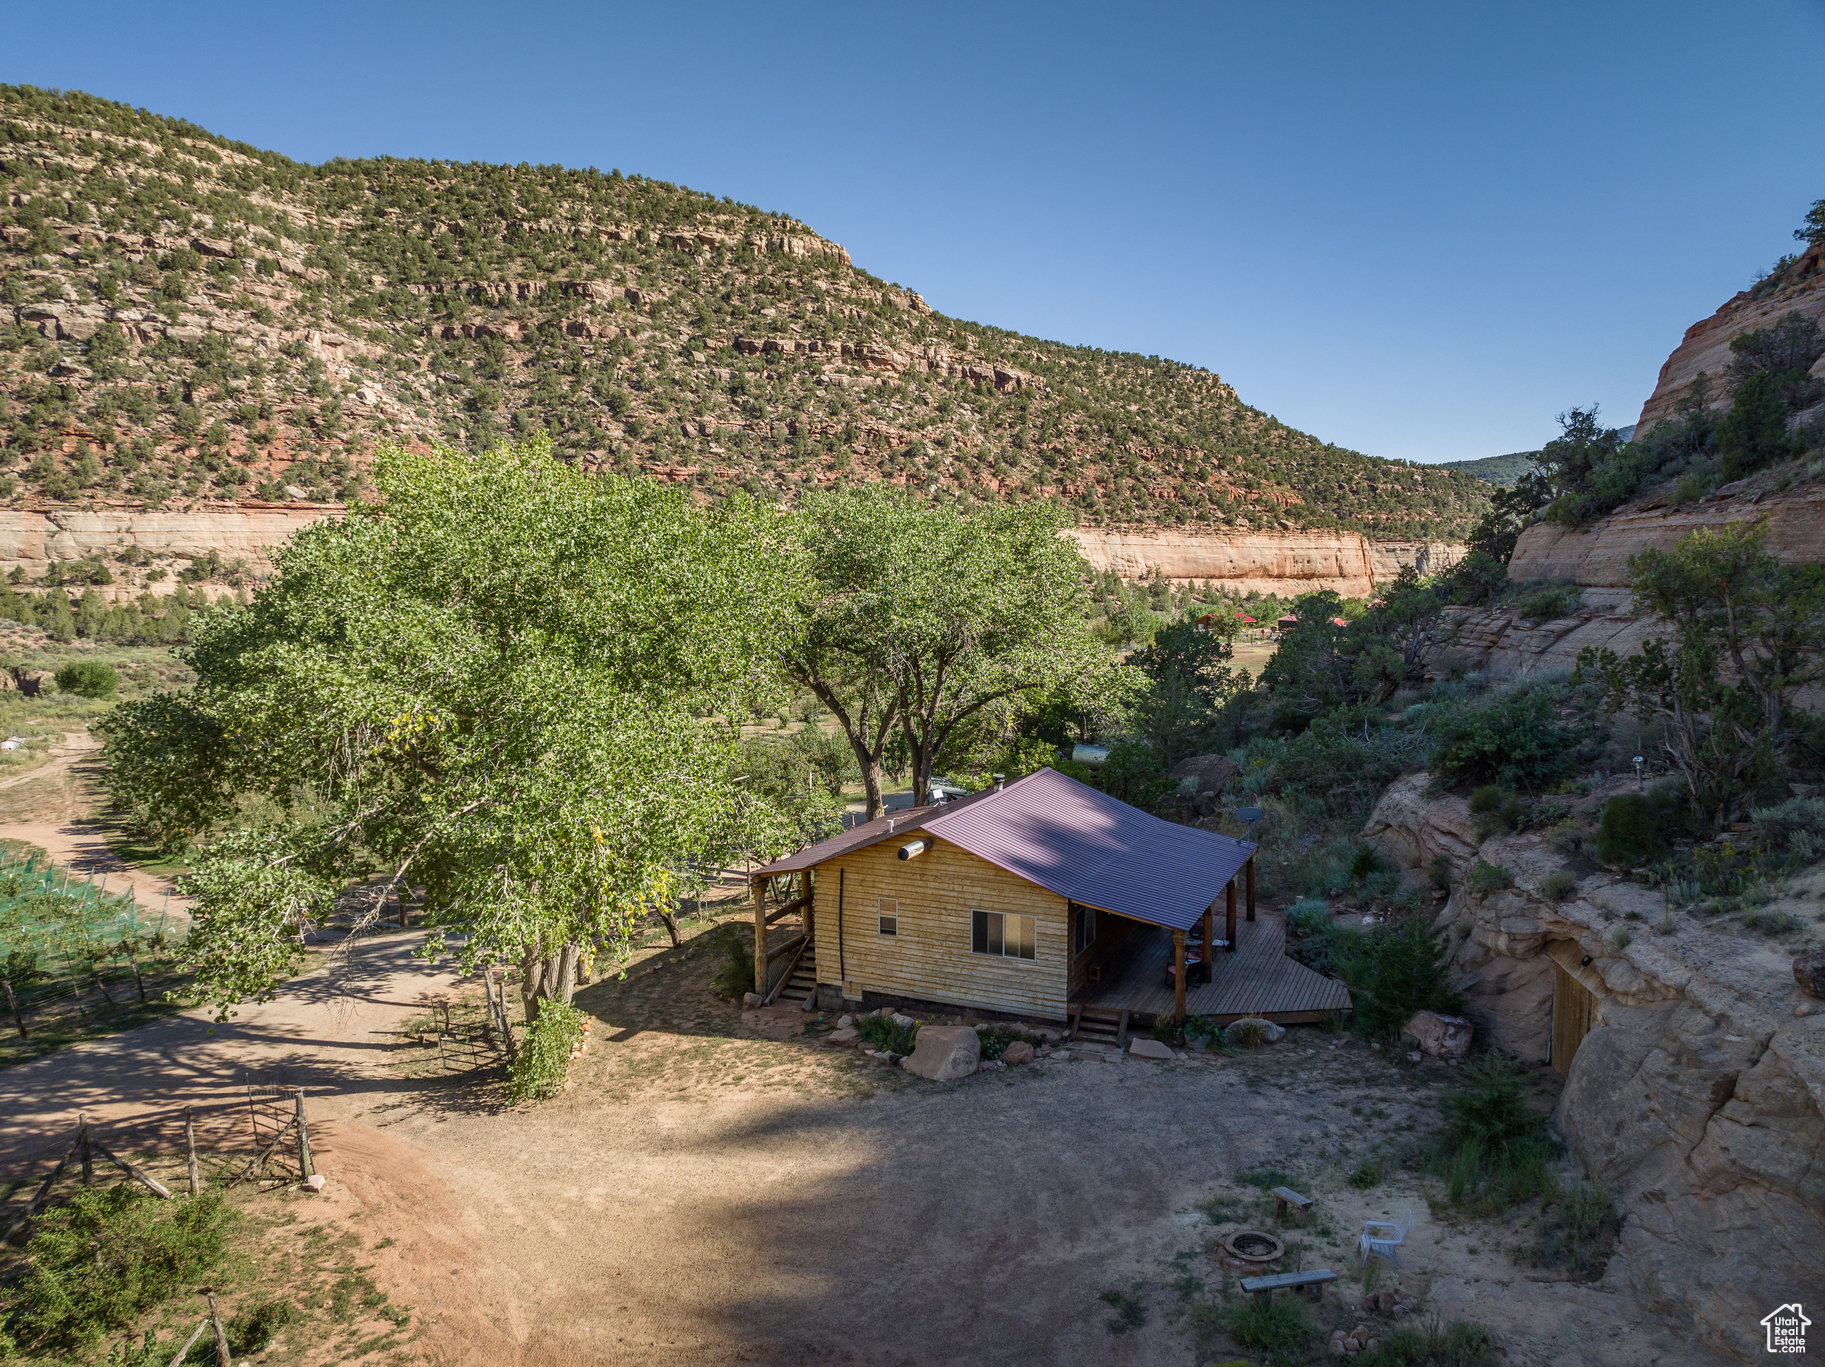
x=1017, y=1053
x=1149, y=1048
x=1270, y=1033
x=845, y=1022
x=944, y=1053
x=315, y=1182
x=900, y=1022
x=750, y=1000
x=1439, y=1036
x=844, y=1037
x=1203, y=774
x=1809, y=972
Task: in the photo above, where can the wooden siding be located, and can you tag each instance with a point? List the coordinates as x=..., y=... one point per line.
x=930, y=959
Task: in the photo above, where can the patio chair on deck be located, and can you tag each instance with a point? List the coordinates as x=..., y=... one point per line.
x=1379, y=1236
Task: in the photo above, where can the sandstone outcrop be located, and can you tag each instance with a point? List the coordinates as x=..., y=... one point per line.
x=1697, y=1099
x=1706, y=345
x=32, y=540
x=1599, y=556
x=944, y=1053
x=1285, y=563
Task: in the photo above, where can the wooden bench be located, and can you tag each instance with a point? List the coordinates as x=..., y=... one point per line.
x=1265, y=1287
x=1285, y=1199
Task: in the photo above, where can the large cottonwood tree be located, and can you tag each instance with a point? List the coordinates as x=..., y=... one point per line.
x=919, y=617
x=499, y=683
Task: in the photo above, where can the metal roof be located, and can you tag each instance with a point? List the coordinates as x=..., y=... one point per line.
x=1072, y=840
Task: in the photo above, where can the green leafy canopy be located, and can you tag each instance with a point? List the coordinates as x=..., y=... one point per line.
x=499, y=683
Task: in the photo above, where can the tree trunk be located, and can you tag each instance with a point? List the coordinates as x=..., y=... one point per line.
x=871, y=783
x=548, y=977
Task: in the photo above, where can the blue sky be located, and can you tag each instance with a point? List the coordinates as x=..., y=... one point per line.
x=1419, y=230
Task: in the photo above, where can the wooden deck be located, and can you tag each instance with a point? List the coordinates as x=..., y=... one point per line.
x=1257, y=980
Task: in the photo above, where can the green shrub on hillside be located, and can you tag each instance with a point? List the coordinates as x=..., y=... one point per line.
x=1514, y=738
x=87, y=679
x=1392, y=971
x=1637, y=828
x=95, y=1265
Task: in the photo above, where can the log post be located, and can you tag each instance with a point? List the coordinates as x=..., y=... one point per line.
x=806, y=888
x=12, y=1003
x=305, y=1168
x=190, y=1342
x=759, y=886
x=1178, y=977
x=1229, y=914
x=196, y=1177
x=88, y=1158
x=1250, y=867
x=221, y=1335
x=1210, y=943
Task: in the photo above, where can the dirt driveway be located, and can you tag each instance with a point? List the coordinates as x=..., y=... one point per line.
x=719, y=1188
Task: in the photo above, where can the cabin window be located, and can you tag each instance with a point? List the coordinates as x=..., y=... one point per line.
x=889, y=916
x=1083, y=927
x=994, y=932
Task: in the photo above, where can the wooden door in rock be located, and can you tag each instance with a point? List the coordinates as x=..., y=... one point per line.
x=1574, y=1013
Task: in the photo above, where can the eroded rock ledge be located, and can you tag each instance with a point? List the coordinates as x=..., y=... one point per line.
x=1697, y=1100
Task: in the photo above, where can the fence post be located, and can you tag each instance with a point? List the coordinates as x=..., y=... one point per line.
x=196, y=1183
x=221, y=1335
x=88, y=1160
x=13, y=1004
x=304, y=1142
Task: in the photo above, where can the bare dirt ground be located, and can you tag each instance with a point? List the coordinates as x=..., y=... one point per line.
x=54, y=806
x=719, y=1187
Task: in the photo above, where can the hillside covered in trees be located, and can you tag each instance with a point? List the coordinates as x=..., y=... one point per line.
x=186, y=318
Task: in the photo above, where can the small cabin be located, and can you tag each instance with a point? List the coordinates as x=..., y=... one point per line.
x=1043, y=898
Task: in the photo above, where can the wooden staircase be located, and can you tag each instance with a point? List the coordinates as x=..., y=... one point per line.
x=803, y=982
x=1094, y=1025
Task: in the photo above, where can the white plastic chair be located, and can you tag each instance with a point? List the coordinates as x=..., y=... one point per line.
x=1379, y=1236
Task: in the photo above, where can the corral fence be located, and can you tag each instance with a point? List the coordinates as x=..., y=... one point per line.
x=278, y=1130
x=68, y=944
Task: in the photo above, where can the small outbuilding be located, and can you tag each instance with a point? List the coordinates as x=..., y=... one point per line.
x=1042, y=898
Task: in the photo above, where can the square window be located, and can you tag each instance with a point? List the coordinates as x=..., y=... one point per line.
x=888, y=916
x=994, y=932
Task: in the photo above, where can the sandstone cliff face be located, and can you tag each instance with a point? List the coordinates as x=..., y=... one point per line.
x=31, y=540
x=1598, y=556
x=1284, y=563
x=1697, y=1100
x=1706, y=345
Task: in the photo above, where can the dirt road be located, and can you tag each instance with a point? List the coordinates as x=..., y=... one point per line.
x=53, y=806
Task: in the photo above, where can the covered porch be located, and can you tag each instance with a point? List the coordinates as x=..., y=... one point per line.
x=1257, y=979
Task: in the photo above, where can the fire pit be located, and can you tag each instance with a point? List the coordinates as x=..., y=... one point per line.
x=1252, y=1246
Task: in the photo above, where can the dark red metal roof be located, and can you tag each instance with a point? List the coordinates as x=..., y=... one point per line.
x=1070, y=839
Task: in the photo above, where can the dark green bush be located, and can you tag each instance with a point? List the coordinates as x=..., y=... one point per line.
x=1458, y=1344
x=879, y=1032
x=95, y=1265
x=1513, y=738
x=87, y=679
x=1495, y=1149
x=1559, y=885
x=1577, y=1232
x=735, y=976
x=542, y=1065
x=1487, y=877
x=1636, y=828
x=1392, y=971
x=1279, y=1329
